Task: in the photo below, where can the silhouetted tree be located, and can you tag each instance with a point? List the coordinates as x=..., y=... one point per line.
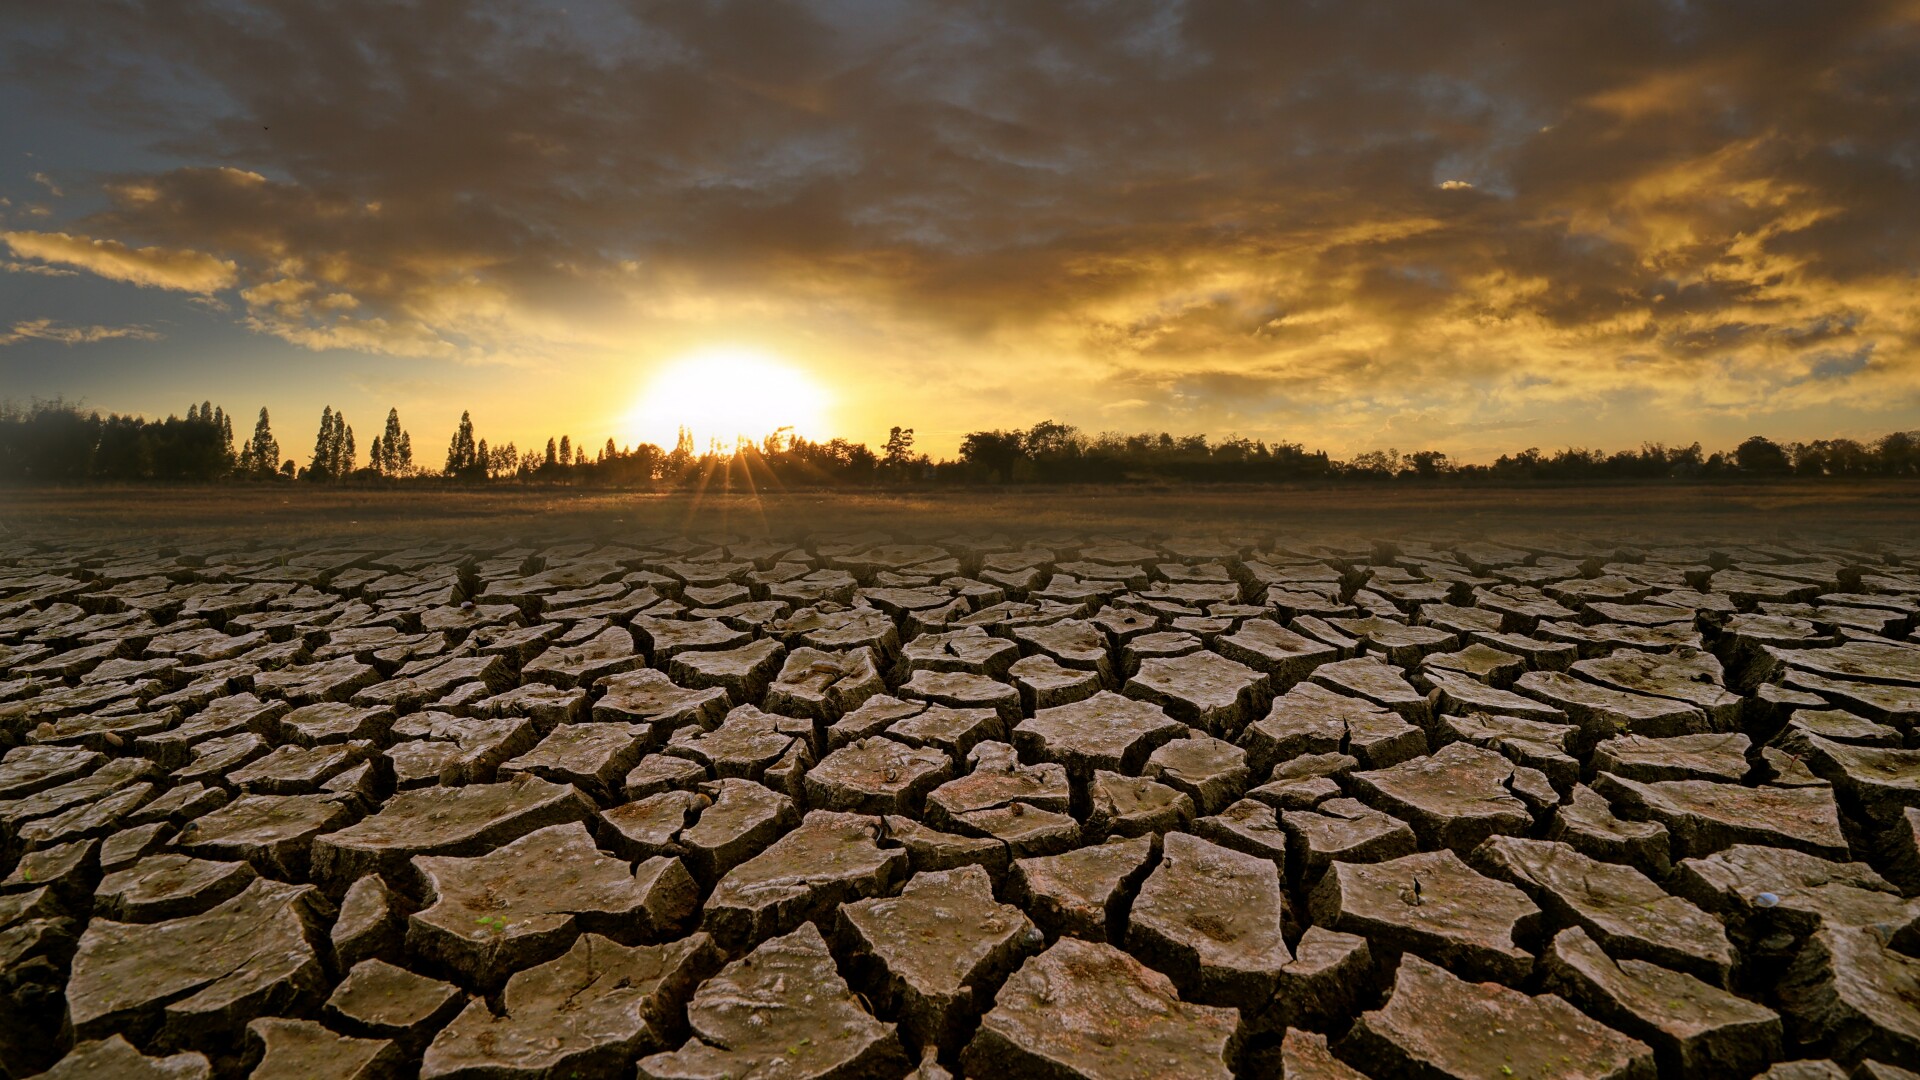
x=333, y=450
x=504, y=461
x=1761, y=455
x=396, y=447
x=995, y=452
x=899, y=449
x=463, y=457
x=325, y=448
x=261, y=455
x=176, y=449
x=1899, y=453
x=54, y=442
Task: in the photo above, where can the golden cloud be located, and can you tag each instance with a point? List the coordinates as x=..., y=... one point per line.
x=48, y=330
x=149, y=267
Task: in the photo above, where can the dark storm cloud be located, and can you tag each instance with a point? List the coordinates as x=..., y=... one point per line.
x=1363, y=195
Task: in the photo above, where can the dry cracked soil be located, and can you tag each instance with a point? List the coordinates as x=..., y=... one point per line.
x=869, y=804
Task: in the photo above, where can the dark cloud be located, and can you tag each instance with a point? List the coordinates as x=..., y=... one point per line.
x=1367, y=198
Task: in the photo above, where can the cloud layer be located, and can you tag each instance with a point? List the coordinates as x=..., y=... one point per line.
x=1424, y=222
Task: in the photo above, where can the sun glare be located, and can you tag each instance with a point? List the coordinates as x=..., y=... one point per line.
x=727, y=393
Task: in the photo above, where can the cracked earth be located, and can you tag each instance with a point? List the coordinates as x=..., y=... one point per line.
x=850, y=805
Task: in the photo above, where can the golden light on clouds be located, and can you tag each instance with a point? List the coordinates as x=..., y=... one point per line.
x=151, y=267
x=726, y=392
x=1587, y=224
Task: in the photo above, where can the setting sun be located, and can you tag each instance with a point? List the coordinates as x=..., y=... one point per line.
x=724, y=393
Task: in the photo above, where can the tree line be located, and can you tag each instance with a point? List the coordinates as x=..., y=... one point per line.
x=55, y=442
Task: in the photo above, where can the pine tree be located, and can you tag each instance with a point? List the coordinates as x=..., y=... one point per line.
x=374, y=459
x=406, y=454
x=193, y=414
x=566, y=449
x=484, y=459
x=553, y=454
x=344, y=464
x=226, y=434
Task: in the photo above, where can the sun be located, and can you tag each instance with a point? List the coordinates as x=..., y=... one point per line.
x=724, y=393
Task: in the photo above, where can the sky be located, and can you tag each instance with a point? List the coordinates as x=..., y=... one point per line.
x=1464, y=227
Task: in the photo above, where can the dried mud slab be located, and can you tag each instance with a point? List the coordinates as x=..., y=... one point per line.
x=1695, y=1029
x=444, y=821
x=1433, y=904
x=781, y=1007
x=524, y=902
x=829, y=860
x=185, y=981
x=1437, y=1024
x=1089, y=1010
x=588, y=1011
x=1212, y=918
x=937, y=952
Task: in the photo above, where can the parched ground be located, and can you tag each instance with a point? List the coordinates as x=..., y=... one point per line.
x=1669, y=510
x=1614, y=782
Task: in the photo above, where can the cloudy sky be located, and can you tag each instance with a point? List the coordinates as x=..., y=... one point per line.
x=1470, y=227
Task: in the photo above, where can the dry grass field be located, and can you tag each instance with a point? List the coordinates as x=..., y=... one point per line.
x=1756, y=511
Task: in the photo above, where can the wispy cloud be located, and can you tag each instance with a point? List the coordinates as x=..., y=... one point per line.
x=48, y=330
x=14, y=266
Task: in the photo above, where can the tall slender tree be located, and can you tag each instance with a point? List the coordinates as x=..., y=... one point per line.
x=325, y=450
x=462, y=454
x=396, y=450
x=261, y=456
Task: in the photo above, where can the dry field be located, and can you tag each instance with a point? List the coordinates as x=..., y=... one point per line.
x=1475, y=782
x=1651, y=512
